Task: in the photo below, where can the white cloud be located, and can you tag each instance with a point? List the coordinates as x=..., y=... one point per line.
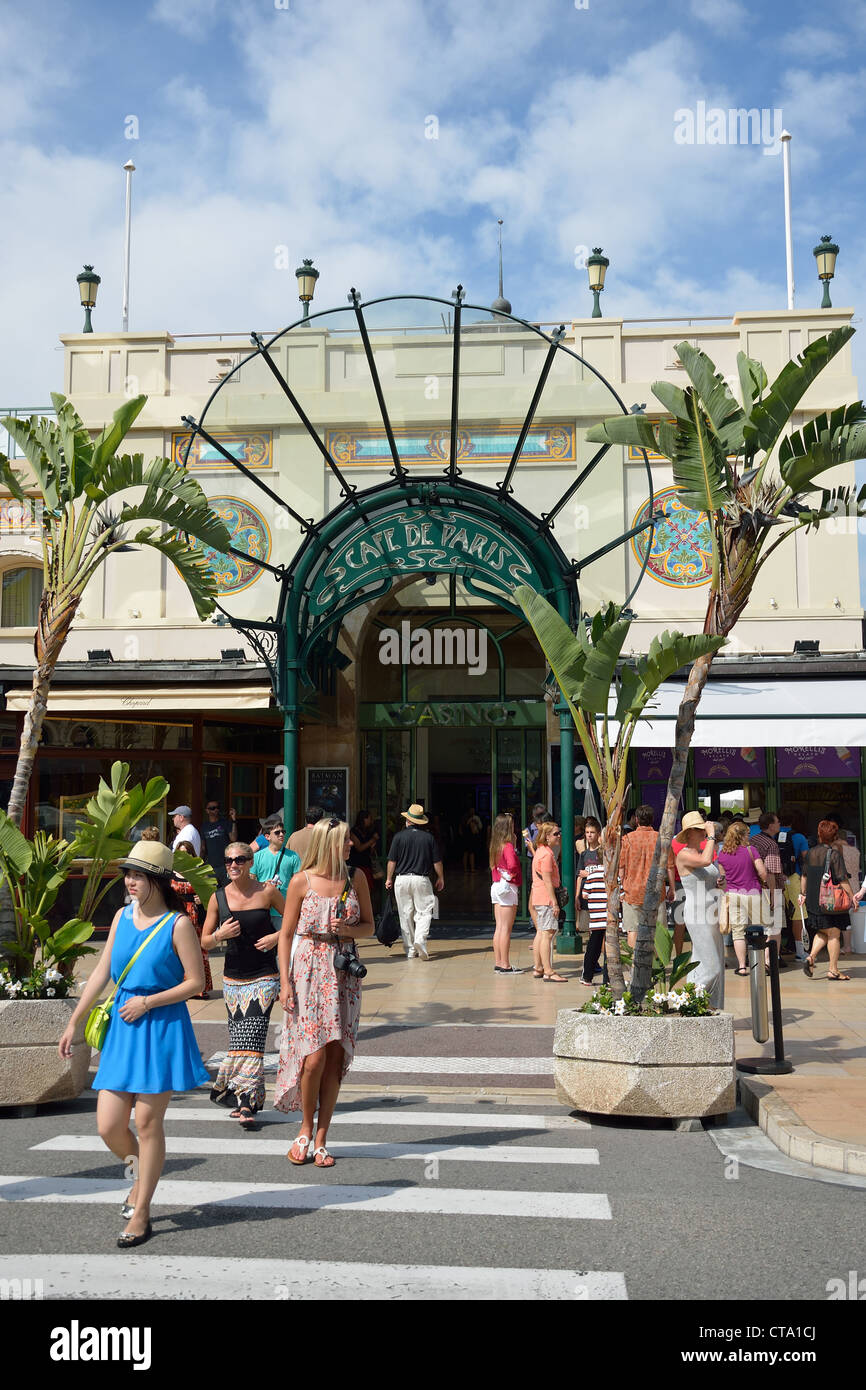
x=194, y=19
x=811, y=43
x=723, y=16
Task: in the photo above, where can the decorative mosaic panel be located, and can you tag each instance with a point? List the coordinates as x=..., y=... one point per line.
x=681, y=553
x=249, y=532
x=358, y=448
x=253, y=450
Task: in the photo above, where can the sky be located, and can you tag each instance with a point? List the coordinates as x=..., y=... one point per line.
x=384, y=138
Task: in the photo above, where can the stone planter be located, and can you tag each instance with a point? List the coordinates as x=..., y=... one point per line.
x=31, y=1072
x=667, y=1067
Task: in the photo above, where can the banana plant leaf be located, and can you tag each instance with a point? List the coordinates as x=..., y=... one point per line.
x=768, y=419
x=753, y=380
x=601, y=664
x=834, y=437
x=700, y=466
x=636, y=430
x=16, y=852
x=73, y=933
x=683, y=965
x=198, y=873
x=663, y=944
x=715, y=394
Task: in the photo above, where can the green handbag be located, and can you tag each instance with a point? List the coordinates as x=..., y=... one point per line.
x=99, y=1017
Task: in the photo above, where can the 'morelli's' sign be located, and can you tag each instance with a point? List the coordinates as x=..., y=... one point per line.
x=434, y=539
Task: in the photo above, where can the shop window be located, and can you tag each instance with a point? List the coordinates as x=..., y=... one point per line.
x=119, y=734
x=20, y=593
x=524, y=666
x=262, y=739
x=65, y=785
x=8, y=733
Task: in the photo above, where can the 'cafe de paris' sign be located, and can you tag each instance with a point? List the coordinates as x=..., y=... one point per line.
x=436, y=539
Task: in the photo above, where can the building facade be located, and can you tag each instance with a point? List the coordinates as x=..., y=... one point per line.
x=378, y=659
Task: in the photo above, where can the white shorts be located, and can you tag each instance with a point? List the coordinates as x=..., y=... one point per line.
x=503, y=894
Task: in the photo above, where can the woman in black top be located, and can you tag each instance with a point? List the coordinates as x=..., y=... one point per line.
x=364, y=839
x=240, y=915
x=825, y=929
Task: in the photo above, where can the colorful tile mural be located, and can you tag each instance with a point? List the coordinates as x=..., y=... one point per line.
x=681, y=552
x=253, y=450
x=249, y=532
x=361, y=448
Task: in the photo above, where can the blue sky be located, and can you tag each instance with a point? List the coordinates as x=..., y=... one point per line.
x=303, y=124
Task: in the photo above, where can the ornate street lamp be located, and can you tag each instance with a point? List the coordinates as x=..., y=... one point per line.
x=596, y=265
x=88, y=284
x=307, y=277
x=825, y=254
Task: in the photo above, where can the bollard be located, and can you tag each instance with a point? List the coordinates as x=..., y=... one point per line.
x=756, y=943
x=778, y=1064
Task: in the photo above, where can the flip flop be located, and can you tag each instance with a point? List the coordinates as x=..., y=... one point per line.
x=302, y=1142
x=325, y=1156
x=808, y=966
x=554, y=980
x=745, y=972
x=840, y=976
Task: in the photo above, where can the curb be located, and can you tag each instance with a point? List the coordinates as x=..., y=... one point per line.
x=784, y=1128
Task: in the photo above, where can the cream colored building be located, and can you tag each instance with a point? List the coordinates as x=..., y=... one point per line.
x=171, y=700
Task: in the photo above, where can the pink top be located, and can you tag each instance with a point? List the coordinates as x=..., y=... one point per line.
x=543, y=861
x=511, y=864
x=740, y=871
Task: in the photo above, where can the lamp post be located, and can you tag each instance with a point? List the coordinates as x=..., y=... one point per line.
x=307, y=277
x=596, y=265
x=825, y=254
x=88, y=284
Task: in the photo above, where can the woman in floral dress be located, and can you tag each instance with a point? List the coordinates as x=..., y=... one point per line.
x=326, y=905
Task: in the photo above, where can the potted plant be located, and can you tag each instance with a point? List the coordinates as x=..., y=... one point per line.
x=37, y=974
x=669, y=1055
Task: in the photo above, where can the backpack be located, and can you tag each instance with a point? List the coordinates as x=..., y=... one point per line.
x=786, y=853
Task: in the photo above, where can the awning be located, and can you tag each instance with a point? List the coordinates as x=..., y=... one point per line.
x=99, y=700
x=768, y=714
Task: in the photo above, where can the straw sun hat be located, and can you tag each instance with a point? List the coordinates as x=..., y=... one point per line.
x=149, y=857
x=415, y=814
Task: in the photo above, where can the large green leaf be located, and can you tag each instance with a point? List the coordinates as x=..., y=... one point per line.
x=601, y=664
x=669, y=652
x=673, y=398
x=177, y=515
x=753, y=380
x=768, y=419
x=190, y=564
x=34, y=437
x=699, y=465
x=663, y=943
x=162, y=481
x=716, y=398
x=683, y=965
x=16, y=852
x=112, y=436
x=834, y=437
x=72, y=933
x=198, y=873
x=635, y=430
x=76, y=446
x=563, y=650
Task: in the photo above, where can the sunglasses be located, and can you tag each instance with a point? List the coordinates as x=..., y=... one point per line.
x=333, y=823
x=211, y=808
x=238, y=859
x=277, y=830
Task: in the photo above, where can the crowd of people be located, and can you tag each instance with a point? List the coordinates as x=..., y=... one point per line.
x=288, y=912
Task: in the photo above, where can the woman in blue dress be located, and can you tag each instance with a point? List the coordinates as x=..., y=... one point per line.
x=150, y=1048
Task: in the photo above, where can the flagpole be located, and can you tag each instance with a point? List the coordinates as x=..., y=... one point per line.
x=130, y=170
x=789, y=245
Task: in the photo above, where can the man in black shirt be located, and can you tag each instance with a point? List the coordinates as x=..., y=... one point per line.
x=412, y=859
x=216, y=834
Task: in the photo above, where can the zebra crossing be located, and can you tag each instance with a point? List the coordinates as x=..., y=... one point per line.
x=412, y=1180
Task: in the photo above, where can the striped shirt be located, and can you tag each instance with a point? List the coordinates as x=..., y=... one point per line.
x=594, y=895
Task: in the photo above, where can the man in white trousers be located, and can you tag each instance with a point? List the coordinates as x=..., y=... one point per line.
x=412, y=859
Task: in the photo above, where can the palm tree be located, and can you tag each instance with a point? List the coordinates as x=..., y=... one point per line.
x=721, y=456
x=585, y=665
x=76, y=478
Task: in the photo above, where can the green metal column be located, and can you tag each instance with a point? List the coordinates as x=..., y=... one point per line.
x=291, y=713
x=567, y=942
x=772, y=782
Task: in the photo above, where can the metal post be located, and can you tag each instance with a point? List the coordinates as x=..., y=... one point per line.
x=778, y=1064
x=130, y=170
x=290, y=747
x=567, y=942
x=789, y=245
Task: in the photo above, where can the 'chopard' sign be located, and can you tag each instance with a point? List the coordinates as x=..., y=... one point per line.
x=434, y=539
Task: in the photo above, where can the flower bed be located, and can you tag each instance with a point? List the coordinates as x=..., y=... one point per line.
x=689, y=1002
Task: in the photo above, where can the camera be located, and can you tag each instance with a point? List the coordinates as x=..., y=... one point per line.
x=346, y=958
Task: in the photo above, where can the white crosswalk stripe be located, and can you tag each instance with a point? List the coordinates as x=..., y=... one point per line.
x=455, y=1153
x=429, y=1201
x=187, y=1277
x=405, y=1134
x=379, y=1064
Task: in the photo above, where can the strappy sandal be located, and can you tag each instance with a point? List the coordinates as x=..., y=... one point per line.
x=538, y=974
x=841, y=976
x=555, y=979
x=325, y=1157
x=302, y=1142
x=245, y=1116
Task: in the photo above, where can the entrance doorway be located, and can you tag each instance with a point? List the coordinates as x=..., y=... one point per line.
x=460, y=798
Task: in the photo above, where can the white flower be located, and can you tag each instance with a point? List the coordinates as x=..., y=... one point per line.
x=619, y=1007
x=50, y=993
x=53, y=977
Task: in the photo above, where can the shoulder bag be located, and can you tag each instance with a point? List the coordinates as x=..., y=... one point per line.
x=833, y=897
x=99, y=1017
